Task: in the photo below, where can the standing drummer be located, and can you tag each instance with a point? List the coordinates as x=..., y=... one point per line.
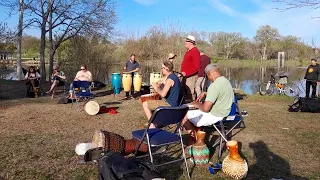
x=131, y=66
x=190, y=67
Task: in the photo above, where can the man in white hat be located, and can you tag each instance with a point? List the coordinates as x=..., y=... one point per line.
x=190, y=67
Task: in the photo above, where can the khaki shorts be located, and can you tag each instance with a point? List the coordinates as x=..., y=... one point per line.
x=153, y=104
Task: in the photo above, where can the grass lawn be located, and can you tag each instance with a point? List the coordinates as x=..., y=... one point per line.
x=38, y=137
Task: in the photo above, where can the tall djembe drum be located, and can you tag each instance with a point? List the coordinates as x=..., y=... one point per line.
x=126, y=81
x=116, y=143
x=199, y=151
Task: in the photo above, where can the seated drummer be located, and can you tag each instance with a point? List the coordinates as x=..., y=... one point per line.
x=32, y=79
x=217, y=104
x=170, y=91
x=82, y=75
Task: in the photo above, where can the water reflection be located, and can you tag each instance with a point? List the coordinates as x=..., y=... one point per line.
x=246, y=79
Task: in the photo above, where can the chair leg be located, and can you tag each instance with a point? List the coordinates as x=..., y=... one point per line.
x=223, y=139
x=184, y=155
x=149, y=148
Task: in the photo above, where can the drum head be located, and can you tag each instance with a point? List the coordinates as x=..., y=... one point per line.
x=92, y=108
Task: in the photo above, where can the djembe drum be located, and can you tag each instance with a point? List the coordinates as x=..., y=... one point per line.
x=35, y=86
x=152, y=96
x=137, y=82
x=199, y=151
x=92, y=107
x=233, y=165
x=116, y=142
x=126, y=81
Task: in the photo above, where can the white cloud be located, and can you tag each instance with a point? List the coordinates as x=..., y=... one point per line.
x=145, y=2
x=220, y=6
x=297, y=22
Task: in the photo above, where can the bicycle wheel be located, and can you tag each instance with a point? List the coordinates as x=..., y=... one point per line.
x=266, y=89
x=291, y=90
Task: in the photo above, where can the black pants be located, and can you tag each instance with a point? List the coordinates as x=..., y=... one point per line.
x=314, y=88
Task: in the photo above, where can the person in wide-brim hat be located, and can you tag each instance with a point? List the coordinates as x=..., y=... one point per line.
x=171, y=56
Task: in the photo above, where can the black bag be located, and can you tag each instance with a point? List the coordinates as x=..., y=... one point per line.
x=114, y=166
x=305, y=105
x=65, y=100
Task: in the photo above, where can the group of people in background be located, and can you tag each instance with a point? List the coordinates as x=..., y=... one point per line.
x=189, y=83
x=191, y=70
x=58, y=78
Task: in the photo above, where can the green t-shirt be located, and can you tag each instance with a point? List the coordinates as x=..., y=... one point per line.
x=221, y=94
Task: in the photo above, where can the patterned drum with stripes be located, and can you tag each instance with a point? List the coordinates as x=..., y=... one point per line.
x=199, y=151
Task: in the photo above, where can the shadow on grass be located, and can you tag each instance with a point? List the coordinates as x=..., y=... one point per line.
x=172, y=171
x=110, y=103
x=103, y=93
x=269, y=165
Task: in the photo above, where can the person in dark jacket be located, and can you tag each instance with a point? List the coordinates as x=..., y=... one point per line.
x=312, y=77
x=204, y=61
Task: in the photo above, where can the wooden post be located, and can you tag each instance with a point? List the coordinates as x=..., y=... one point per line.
x=281, y=56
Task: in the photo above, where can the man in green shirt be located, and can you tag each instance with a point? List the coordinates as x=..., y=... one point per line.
x=217, y=105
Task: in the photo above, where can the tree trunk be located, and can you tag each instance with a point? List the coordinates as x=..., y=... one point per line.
x=19, y=39
x=42, y=51
x=264, y=53
x=51, y=48
x=228, y=54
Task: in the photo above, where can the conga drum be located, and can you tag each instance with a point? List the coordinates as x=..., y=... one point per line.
x=92, y=107
x=116, y=83
x=137, y=82
x=155, y=77
x=126, y=81
x=116, y=143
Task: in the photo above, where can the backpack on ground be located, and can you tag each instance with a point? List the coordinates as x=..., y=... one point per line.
x=114, y=166
x=305, y=105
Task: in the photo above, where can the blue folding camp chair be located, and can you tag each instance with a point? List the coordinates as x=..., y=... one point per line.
x=157, y=137
x=83, y=93
x=225, y=127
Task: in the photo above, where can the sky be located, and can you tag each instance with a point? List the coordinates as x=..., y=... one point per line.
x=244, y=16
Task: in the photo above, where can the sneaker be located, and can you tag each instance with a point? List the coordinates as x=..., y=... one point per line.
x=244, y=113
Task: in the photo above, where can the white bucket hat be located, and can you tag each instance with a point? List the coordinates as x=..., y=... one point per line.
x=191, y=38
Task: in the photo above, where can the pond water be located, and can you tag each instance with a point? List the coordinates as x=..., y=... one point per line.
x=246, y=79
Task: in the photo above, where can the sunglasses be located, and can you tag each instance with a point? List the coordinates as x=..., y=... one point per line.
x=83, y=69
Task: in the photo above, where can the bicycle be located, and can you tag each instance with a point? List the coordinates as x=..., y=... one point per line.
x=272, y=87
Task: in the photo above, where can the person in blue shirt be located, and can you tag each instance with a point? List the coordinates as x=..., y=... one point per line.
x=131, y=66
x=169, y=91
